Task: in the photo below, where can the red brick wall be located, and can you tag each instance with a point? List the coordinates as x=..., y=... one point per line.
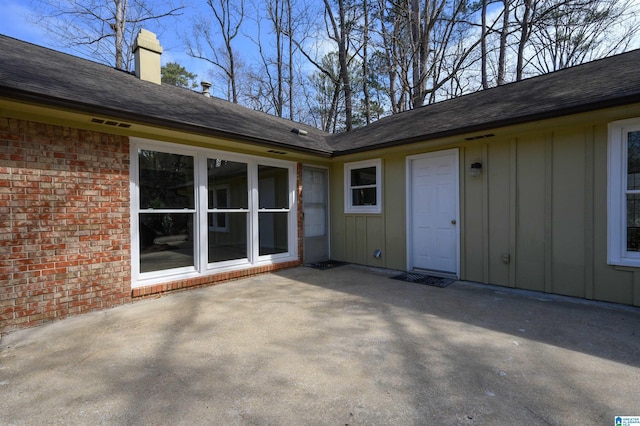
x=64, y=225
x=64, y=222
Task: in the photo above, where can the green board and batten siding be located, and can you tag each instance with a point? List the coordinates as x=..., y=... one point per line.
x=536, y=218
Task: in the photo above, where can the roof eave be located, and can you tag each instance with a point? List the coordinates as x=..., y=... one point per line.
x=87, y=108
x=576, y=109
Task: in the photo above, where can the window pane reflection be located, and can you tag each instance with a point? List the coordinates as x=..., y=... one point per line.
x=365, y=176
x=166, y=241
x=227, y=182
x=633, y=160
x=633, y=222
x=166, y=180
x=273, y=187
x=228, y=242
x=363, y=197
x=273, y=233
x=314, y=194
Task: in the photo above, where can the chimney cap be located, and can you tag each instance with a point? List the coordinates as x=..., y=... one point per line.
x=147, y=40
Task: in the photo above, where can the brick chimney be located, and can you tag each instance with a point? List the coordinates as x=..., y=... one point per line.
x=147, y=51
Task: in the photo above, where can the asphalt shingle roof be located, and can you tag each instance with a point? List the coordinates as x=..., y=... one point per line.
x=36, y=74
x=608, y=82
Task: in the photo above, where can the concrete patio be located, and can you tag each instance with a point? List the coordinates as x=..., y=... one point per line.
x=341, y=346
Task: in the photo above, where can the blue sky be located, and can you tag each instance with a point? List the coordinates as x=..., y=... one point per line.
x=15, y=22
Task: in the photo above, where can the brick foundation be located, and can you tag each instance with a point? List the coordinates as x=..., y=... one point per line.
x=64, y=221
x=208, y=280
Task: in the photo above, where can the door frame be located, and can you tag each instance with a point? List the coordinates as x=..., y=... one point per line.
x=409, y=207
x=328, y=207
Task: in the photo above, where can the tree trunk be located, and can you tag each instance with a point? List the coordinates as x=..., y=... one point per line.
x=332, y=114
x=279, y=54
x=290, y=33
x=365, y=63
x=415, y=22
x=121, y=19
x=344, y=70
x=502, y=55
x=340, y=37
x=389, y=42
x=524, y=37
x=232, y=74
x=483, y=46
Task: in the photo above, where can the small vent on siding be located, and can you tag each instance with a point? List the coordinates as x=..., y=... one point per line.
x=110, y=123
x=273, y=151
x=473, y=138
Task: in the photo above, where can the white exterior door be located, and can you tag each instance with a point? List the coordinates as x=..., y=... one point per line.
x=433, y=194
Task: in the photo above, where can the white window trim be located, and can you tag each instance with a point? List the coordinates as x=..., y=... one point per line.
x=348, y=200
x=216, y=210
x=202, y=267
x=617, y=253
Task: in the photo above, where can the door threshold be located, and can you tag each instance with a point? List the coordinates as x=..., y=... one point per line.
x=441, y=274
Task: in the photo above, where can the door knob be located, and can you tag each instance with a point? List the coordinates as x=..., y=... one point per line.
x=453, y=221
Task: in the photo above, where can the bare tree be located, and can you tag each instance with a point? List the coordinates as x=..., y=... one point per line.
x=339, y=30
x=387, y=63
x=525, y=24
x=103, y=30
x=227, y=20
x=266, y=90
x=290, y=34
x=276, y=73
x=326, y=82
x=504, y=34
x=483, y=45
x=579, y=31
x=555, y=34
x=431, y=44
x=501, y=28
x=365, y=61
x=276, y=11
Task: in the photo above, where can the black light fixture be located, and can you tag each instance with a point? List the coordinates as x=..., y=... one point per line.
x=476, y=169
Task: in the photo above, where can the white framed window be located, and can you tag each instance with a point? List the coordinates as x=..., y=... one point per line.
x=363, y=187
x=196, y=211
x=623, y=233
